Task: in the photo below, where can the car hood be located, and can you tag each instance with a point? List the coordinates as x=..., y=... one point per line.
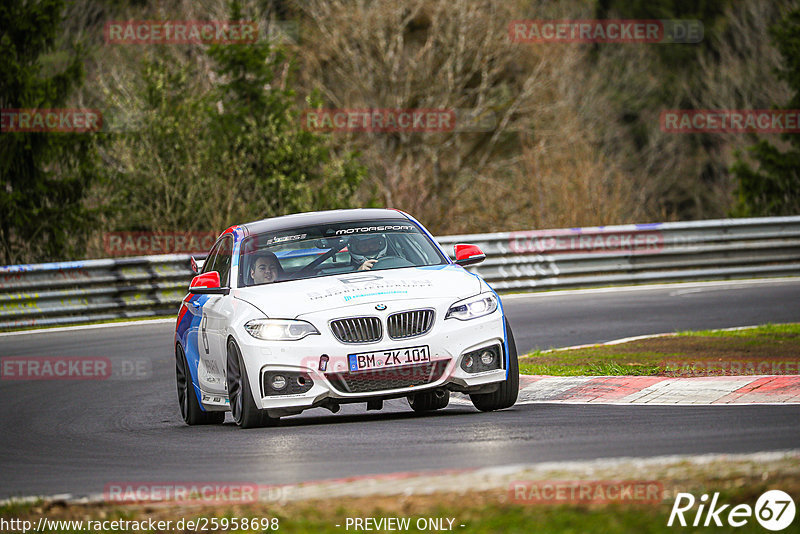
x=291, y=299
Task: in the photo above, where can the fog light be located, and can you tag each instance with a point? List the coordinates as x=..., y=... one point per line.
x=278, y=382
x=482, y=360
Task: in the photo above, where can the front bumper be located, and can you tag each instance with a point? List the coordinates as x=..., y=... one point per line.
x=448, y=341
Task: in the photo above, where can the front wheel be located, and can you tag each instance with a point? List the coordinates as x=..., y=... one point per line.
x=191, y=412
x=243, y=408
x=506, y=394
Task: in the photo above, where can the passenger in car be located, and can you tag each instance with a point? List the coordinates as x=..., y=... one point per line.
x=265, y=268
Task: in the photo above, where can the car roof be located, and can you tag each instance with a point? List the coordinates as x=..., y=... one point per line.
x=297, y=220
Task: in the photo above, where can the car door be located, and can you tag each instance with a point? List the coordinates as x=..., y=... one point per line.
x=211, y=341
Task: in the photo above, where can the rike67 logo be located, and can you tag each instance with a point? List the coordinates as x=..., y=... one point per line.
x=774, y=510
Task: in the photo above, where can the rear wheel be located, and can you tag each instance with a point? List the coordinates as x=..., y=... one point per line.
x=506, y=394
x=243, y=408
x=191, y=412
x=427, y=401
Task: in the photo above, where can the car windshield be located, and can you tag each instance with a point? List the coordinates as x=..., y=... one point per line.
x=336, y=248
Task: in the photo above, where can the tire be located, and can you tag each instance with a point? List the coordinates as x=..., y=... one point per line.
x=191, y=412
x=243, y=408
x=427, y=401
x=506, y=394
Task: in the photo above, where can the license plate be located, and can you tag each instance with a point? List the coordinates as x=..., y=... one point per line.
x=388, y=358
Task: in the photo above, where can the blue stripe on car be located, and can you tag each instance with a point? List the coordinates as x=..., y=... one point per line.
x=187, y=334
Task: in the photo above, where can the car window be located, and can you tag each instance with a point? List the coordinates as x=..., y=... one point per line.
x=222, y=260
x=338, y=248
x=208, y=264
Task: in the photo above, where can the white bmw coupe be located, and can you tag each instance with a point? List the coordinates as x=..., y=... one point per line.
x=327, y=308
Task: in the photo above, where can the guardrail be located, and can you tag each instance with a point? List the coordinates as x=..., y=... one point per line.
x=72, y=292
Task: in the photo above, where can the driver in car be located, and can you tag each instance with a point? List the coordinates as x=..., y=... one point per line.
x=366, y=250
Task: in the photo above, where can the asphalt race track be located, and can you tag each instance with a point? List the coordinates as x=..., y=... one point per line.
x=77, y=436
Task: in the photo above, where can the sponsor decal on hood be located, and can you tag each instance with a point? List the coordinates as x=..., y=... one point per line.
x=290, y=299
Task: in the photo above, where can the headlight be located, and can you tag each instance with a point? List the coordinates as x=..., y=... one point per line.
x=279, y=329
x=473, y=307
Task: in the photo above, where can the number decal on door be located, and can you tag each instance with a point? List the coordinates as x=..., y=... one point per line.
x=203, y=325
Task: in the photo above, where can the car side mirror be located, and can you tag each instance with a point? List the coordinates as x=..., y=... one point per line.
x=207, y=284
x=468, y=254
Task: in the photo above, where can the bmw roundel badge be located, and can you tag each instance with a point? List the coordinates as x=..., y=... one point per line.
x=380, y=307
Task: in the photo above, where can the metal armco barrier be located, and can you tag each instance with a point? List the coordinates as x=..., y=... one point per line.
x=80, y=291
x=48, y=294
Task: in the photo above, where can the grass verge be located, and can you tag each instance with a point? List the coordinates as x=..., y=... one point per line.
x=474, y=508
x=767, y=349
